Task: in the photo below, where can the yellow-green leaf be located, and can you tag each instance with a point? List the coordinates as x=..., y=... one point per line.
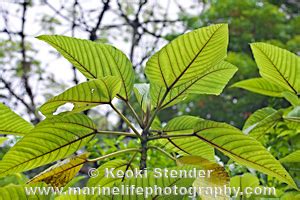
x=11, y=123
x=53, y=139
x=85, y=95
x=189, y=145
x=95, y=60
x=243, y=149
x=261, y=86
x=61, y=173
x=291, y=158
x=215, y=176
x=104, y=181
x=211, y=81
x=188, y=56
x=277, y=65
x=19, y=192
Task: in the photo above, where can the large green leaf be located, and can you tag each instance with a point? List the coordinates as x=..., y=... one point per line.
x=293, y=157
x=107, y=181
x=211, y=81
x=187, y=145
x=278, y=65
x=61, y=173
x=95, y=60
x=241, y=148
x=11, y=123
x=261, y=86
x=52, y=139
x=188, y=56
x=85, y=95
x=261, y=121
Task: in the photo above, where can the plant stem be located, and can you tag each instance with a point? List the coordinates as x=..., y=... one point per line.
x=132, y=110
x=169, y=136
x=116, y=133
x=114, y=154
x=144, y=148
x=162, y=151
x=126, y=121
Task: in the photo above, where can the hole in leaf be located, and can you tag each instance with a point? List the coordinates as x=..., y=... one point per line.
x=64, y=108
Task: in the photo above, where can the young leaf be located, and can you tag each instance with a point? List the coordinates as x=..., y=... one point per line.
x=278, y=65
x=261, y=121
x=85, y=95
x=291, y=158
x=188, y=56
x=243, y=149
x=142, y=93
x=53, y=139
x=109, y=181
x=189, y=145
x=11, y=123
x=217, y=177
x=61, y=173
x=95, y=60
x=261, y=86
x=211, y=81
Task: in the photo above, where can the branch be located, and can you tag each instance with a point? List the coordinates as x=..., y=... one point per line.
x=119, y=133
x=156, y=137
x=126, y=121
x=114, y=154
x=162, y=151
x=93, y=35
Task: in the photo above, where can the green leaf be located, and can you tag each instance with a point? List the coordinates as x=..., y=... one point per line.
x=85, y=95
x=95, y=60
x=243, y=149
x=217, y=177
x=142, y=93
x=154, y=180
x=61, y=173
x=72, y=197
x=261, y=121
x=244, y=181
x=291, y=158
x=104, y=181
x=294, y=115
x=260, y=86
x=11, y=123
x=292, y=98
x=188, y=145
x=188, y=56
x=16, y=192
x=277, y=65
x=211, y=81
x=2, y=140
x=53, y=139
